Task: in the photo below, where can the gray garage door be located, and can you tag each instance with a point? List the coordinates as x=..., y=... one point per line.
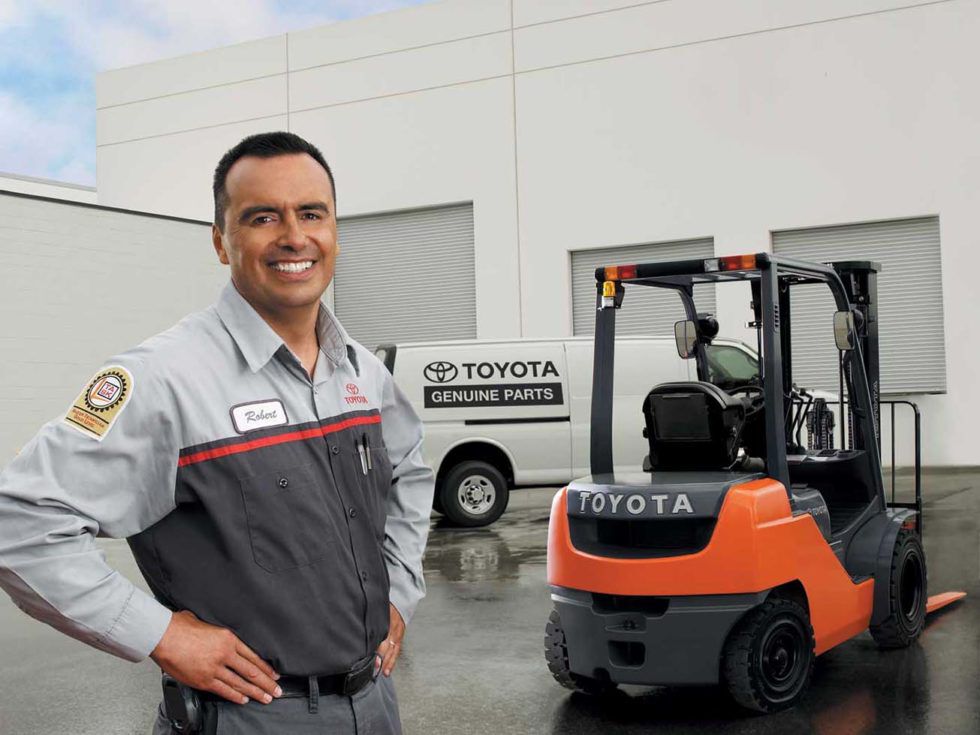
x=913, y=356
x=407, y=276
x=647, y=310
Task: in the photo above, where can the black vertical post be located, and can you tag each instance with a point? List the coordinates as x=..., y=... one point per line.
x=860, y=280
x=600, y=439
x=786, y=344
x=773, y=385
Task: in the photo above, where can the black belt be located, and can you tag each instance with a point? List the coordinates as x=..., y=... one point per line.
x=348, y=684
x=361, y=674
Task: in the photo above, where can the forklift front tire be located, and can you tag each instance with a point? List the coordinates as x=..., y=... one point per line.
x=906, y=594
x=768, y=658
x=556, y=654
x=473, y=493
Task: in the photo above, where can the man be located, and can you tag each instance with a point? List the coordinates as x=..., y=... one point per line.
x=266, y=471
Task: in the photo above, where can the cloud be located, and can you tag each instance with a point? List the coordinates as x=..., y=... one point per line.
x=56, y=140
x=50, y=51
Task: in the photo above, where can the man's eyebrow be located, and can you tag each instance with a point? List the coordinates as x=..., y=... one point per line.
x=318, y=206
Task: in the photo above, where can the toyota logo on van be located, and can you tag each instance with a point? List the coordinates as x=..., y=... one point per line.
x=440, y=372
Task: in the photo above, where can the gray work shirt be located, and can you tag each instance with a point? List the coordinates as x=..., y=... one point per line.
x=287, y=509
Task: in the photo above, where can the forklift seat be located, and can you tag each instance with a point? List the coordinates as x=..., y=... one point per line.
x=692, y=426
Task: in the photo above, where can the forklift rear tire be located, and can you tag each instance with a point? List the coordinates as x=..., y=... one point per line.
x=556, y=654
x=473, y=493
x=906, y=594
x=768, y=658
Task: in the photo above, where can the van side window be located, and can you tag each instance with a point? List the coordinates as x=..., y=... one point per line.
x=729, y=366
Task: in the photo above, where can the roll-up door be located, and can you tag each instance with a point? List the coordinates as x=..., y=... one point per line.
x=647, y=310
x=407, y=276
x=910, y=299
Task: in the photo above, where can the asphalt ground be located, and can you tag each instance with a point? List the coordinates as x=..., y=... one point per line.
x=473, y=660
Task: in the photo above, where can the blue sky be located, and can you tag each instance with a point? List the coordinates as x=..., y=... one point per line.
x=50, y=51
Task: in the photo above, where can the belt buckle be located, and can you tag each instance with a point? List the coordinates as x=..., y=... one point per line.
x=359, y=676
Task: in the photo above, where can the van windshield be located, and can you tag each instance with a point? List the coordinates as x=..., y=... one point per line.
x=729, y=366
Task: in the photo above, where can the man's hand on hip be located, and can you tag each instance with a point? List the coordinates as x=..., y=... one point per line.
x=213, y=659
x=391, y=646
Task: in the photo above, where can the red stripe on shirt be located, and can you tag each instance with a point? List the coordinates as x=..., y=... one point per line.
x=268, y=441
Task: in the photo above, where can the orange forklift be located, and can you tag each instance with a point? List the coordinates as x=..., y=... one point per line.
x=734, y=554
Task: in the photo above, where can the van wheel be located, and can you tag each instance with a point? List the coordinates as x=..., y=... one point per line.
x=474, y=494
x=906, y=594
x=768, y=658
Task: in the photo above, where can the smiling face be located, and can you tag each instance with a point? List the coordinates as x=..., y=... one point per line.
x=280, y=232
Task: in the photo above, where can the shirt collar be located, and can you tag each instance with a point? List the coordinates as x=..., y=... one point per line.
x=258, y=341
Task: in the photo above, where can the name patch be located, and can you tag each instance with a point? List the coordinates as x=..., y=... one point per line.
x=260, y=415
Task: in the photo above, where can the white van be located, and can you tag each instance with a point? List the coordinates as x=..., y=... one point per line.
x=505, y=414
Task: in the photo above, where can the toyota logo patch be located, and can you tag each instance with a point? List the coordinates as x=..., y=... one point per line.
x=440, y=372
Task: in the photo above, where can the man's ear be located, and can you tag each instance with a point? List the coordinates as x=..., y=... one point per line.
x=217, y=239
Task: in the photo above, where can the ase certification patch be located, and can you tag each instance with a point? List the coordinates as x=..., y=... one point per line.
x=99, y=405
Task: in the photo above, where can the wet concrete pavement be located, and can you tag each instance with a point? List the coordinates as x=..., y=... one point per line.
x=473, y=660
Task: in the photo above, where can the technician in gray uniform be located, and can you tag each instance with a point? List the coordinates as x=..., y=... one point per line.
x=265, y=469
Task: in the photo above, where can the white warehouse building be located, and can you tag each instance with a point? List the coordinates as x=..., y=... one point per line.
x=490, y=153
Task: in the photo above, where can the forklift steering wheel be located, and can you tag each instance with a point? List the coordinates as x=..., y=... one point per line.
x=755, y=395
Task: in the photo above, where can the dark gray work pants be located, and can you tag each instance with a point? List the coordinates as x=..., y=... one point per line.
x=372, y=711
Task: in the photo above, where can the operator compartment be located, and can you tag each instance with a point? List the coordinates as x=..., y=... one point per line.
x=693, y=429
x=692, y=425
x=642, y=516
x=842, y=477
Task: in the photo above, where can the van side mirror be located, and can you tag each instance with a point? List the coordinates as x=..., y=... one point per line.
x=686, y=337
x=844, y=330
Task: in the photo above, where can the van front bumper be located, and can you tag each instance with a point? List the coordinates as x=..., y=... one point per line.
x=648, y=640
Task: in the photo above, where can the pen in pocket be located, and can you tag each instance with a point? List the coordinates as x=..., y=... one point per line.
x=361, y=453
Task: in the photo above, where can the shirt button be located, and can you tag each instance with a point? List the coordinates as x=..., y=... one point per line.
x=335, y=449
x=364, y=576
x=352, y=513
x=283, y=482
x=315, y=390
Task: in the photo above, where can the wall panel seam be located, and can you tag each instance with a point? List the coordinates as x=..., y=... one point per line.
x=191, y=91
x=406, y=92
x=188, y=130
x=729, y=37
x=563, y=18
x=355, y=59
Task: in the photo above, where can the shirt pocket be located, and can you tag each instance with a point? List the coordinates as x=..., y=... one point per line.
x=373, y=470
x=289, y=523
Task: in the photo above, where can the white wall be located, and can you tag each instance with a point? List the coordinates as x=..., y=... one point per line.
x=79, y=284
x=47, y=188
x=585, y=123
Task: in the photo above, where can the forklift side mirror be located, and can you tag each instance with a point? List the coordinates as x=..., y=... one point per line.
x=844, y=330
x=686, y=337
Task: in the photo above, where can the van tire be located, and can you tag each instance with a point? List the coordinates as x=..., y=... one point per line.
x=473, y=493
x=437, y=503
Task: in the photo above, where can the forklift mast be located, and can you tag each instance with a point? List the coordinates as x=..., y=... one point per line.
x=860, y=278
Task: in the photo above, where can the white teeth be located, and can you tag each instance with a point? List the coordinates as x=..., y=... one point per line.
x=293, y=267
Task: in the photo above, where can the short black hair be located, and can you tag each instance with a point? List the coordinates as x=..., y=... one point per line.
x=261, y=145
